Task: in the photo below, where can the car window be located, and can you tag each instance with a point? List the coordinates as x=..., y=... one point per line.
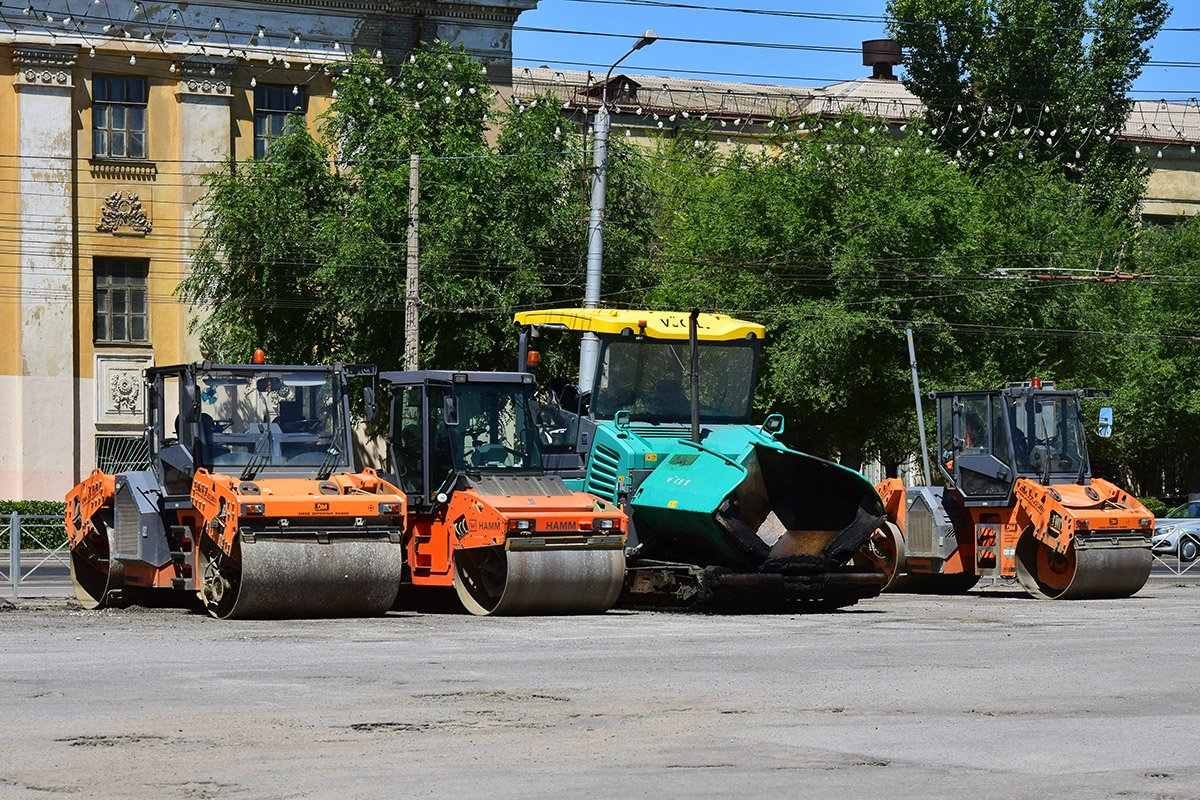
x=1186, y=511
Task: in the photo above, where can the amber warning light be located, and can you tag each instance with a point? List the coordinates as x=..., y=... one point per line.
x=533, y=358
x=260, y=357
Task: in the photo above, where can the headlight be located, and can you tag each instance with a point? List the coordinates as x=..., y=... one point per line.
x=1145, y=522
x=391, y=509
x=604, y=523
x=253, y=509
x=522, y=525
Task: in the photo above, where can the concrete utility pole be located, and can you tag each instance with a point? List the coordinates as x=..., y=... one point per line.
x=589, y=347
x=412, y=333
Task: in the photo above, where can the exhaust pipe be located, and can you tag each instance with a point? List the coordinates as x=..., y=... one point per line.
x=693, y=347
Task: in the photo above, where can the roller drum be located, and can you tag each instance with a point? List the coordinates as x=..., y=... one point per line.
x=97, y=577
x=294, y=579
x=494, y=581
x=1081, y=573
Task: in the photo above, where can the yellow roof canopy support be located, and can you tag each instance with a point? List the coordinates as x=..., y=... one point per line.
x=654, y=324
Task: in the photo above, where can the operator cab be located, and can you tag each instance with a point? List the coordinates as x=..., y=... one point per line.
x=251, y=421
x=649, y=379
x=444, y=425
x=986, y=440
x=642, y=375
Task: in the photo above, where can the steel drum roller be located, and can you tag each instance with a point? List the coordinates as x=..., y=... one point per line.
x=307, y=579
x=493, y=581
x=1082, y=573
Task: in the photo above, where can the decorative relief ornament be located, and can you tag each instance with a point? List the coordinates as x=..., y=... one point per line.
x=125, y=391
x=123, y=210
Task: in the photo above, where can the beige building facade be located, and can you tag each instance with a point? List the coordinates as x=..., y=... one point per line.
x=110, y=125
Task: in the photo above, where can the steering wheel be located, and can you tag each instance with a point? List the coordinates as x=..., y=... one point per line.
x=492, y=455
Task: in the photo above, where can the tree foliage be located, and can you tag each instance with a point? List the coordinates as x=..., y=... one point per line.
x=1052, y=75
x=304, y=251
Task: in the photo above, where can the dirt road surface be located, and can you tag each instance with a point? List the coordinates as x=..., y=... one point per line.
x=982, y=696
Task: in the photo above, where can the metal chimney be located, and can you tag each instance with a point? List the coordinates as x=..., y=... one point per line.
x=882, y=55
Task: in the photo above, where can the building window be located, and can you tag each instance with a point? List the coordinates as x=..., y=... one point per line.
x=118, y=116
x=274, y=106
x=120, y=310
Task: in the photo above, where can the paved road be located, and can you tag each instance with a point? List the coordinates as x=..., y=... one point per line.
x=988, y=695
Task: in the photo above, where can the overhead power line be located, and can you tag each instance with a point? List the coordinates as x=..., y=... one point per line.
x=769, y=45
x=876, y=19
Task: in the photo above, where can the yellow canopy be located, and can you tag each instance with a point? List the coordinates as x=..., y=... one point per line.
x=655, y=324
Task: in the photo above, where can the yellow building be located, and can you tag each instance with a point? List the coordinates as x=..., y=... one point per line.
x=113, y=116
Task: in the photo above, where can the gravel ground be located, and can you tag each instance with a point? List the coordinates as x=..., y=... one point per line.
x=986, y=695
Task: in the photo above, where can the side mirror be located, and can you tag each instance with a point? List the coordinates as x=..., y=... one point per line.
x=1106, y=422
x=621, y=418
x=372, y=408
x=450, y=410
x=189, y=402
x=773, y=424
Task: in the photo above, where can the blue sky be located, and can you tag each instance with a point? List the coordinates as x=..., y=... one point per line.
x=802, y=67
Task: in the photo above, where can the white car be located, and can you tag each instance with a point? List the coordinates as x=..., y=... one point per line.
x=1177, y=533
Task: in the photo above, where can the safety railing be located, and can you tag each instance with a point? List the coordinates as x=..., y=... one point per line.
x=1185, y=555
x=37, y=553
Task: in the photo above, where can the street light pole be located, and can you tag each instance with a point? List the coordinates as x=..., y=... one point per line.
x=589, y=347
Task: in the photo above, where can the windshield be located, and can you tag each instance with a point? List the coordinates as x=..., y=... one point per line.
x=1189, y=510
x=650, y=380
x=1047, y=436
x=277, y=419
x=495, y=429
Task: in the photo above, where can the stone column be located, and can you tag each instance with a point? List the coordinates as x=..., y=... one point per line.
x=205, y=142
x=49, y=391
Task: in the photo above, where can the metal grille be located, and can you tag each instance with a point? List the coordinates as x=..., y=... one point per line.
x=116, y=454
x=602, y=477
x=125, y=535
x=521, y=486
x=918, y=527
x=662, y=431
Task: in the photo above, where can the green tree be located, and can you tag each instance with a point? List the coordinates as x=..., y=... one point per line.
x=259, y=275
x=831, y=238
x=304, y=251
x=1050, y=76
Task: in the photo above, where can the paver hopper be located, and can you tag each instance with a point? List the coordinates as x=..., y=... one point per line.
x=719, y=509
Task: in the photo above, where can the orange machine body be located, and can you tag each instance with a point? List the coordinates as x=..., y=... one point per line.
x=483, y=515
x=238, y=455
x=219, y=513
x=1054, y=515
x=228, y=506
x=1018, y=501
x=473, y=520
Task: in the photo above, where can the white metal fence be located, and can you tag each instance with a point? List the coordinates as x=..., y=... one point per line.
x=37, y=553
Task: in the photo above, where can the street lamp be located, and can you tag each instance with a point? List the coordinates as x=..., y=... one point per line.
x=589, y=348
